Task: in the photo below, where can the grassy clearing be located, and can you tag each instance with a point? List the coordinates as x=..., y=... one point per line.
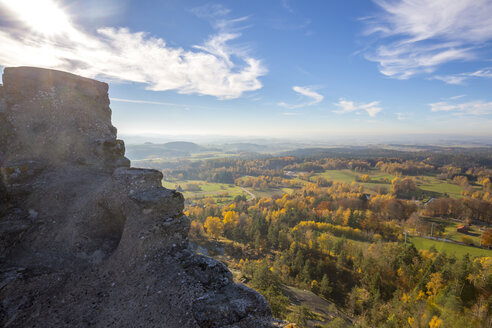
x=339, y=175
x=269, y=192
x=221, y=192
x=430, y=185
x=451, y=233
x=210, y=155
x=350, y=176
x=440, y=187
x=449, y=248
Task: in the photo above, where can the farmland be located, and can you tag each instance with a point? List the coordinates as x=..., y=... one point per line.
x=321, y=237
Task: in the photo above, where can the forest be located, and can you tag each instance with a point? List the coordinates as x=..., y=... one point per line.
x=383, y=241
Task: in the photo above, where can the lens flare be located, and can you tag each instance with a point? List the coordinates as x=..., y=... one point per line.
x=42, y=16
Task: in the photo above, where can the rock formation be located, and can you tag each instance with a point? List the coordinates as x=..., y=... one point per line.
x=85, y=240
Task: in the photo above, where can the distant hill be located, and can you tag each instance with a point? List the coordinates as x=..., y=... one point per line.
x=169, y=149
x=244, y=147
x=183, y=146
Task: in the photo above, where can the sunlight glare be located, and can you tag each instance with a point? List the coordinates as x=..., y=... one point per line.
x=43, y=16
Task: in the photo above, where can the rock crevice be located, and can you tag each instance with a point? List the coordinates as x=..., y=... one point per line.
x=85, y=240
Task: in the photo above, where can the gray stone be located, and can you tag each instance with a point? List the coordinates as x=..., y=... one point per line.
x=232, y=305
x=102, y=244
x=160, y=199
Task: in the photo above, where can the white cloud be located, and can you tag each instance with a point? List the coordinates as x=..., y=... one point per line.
x=215, y=68
x=305, y=92
x=471, y=107
x=450, y=79
x=461, y=77
x=159, y=103
x=403, y=116
x=417, y=36
x=347, y=106
x=211, y=10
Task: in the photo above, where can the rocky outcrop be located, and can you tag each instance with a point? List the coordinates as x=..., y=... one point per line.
x=86, y=240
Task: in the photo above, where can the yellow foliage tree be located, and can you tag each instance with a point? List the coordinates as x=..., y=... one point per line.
x=230, y=218
x=214, y=226
x=434, y=285
x=487, y=237
x=435, y=322
x=346, y=216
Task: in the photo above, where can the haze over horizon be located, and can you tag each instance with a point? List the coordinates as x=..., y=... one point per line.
x=283, y=69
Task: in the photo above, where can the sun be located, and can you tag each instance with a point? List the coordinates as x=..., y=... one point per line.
x=42, y=16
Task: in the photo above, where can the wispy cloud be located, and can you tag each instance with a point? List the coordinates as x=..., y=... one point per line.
x=417, y=36
x=216, y=67
x=305, y=92
x=211, y=10
x=158, y=103
x=471, y=107
x=450, y=79
x=290, y=114
x=347, y=106
x=286, y=5
x=403, y=116
x=460, y=78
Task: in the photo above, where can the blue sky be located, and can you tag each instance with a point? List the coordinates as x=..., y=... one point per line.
x=283, y=68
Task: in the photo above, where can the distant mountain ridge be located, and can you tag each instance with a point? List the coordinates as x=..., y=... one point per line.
x=169, y=149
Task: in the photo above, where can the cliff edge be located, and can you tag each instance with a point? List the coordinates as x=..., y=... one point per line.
x=86, y=240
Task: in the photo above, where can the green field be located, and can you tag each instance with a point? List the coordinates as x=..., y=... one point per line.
x=220, y=192
x=440, y=188
x=339, y=175
x=269, y=192
x=210, y=155
x=429, y=185
x=449, y=248
x=451, y=233
x=350, y=176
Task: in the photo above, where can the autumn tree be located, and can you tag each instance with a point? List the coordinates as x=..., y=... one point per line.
x=324, y=287
x=196, y=229
x=403, y=187
x=435, y=284
x=214, y=226
x=461, y=180
x=487, y=238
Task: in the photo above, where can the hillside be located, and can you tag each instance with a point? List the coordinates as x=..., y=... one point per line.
x=165, y=150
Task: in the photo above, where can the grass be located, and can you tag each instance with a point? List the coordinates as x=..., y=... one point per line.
x=440, y=187
x=349, y=176
x=451, y=233
x=222, y=193
x=209, y=155
x=269, y=192
x=449, y=248
x=428, y=185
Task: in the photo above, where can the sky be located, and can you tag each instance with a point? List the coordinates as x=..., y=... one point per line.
x=276, y=68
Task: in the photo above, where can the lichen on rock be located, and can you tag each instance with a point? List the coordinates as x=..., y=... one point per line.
x=85, y=240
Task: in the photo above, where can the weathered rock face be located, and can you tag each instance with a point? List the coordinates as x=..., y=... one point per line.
x=85, y=240
x=59, y=117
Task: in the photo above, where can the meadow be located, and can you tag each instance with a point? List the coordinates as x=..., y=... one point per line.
x=428, y=186
x=449, y=248
x=221, y=193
